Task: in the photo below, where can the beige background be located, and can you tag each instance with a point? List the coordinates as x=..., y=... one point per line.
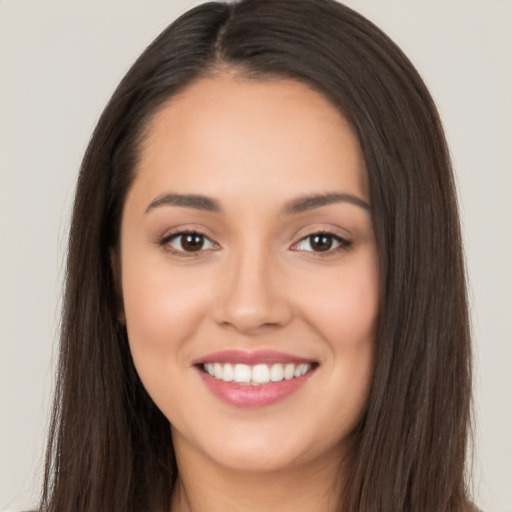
x=59, y=62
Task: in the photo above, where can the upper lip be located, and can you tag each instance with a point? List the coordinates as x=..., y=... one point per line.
x=237, y=356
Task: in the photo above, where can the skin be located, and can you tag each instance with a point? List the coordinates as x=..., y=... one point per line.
x=253, y=146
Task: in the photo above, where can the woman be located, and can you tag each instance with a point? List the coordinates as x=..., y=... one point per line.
x=265, y=303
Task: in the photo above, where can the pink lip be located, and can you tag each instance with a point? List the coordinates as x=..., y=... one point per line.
x=235, y=356
x=247, y=395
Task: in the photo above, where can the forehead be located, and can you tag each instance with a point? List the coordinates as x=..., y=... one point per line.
x=227, y=135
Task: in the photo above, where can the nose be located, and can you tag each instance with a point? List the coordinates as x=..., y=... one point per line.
x=251, y=296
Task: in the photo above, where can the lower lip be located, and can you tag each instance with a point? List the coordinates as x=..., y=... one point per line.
x=247, y=395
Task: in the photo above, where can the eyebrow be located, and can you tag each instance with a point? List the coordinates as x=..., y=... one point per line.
x=298, y=205
x=310, y=202
x=198, y=202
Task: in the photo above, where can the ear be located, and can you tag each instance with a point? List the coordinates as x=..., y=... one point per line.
x=115, y=265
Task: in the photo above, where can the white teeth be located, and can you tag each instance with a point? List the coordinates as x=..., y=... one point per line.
x=289, y=371
x=300, y=370
x=242, y=373
x=228, y=373
x=260, y=374
x=217, y=370
x=257, y=374
x=276, y=372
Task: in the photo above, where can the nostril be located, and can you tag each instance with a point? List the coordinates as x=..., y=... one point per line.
x=248, y=326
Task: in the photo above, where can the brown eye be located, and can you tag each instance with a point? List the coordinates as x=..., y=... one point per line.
x=321, y=242
x=187, y=242
x=191, y=242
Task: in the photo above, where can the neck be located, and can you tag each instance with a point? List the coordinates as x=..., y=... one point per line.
x=204, y=485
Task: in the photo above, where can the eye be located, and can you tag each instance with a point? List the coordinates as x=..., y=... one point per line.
x=322, y=243
x=188, y=242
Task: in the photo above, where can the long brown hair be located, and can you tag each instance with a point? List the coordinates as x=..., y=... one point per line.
x=110, y=448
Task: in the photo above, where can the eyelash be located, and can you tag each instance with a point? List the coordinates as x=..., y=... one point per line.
x=166, y=241
x=343, y=244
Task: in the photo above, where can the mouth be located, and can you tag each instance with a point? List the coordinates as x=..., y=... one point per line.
x=254, y=379
x=258, y=374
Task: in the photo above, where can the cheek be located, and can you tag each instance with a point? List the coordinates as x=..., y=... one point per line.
x=344, y=308
x=163, y=308
x=344, y=305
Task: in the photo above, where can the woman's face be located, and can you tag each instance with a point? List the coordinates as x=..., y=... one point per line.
x=249, y=273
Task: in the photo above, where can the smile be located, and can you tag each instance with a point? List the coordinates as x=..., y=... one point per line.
x=254, y=379
x=257, y=374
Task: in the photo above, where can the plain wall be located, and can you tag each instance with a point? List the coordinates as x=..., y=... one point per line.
x=59, y=63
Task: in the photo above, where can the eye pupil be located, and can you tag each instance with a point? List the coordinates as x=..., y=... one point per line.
x=321, y=242
x=192, y=242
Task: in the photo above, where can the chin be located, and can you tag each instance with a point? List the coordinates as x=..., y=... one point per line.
x=265, y=448
x=256, y=459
